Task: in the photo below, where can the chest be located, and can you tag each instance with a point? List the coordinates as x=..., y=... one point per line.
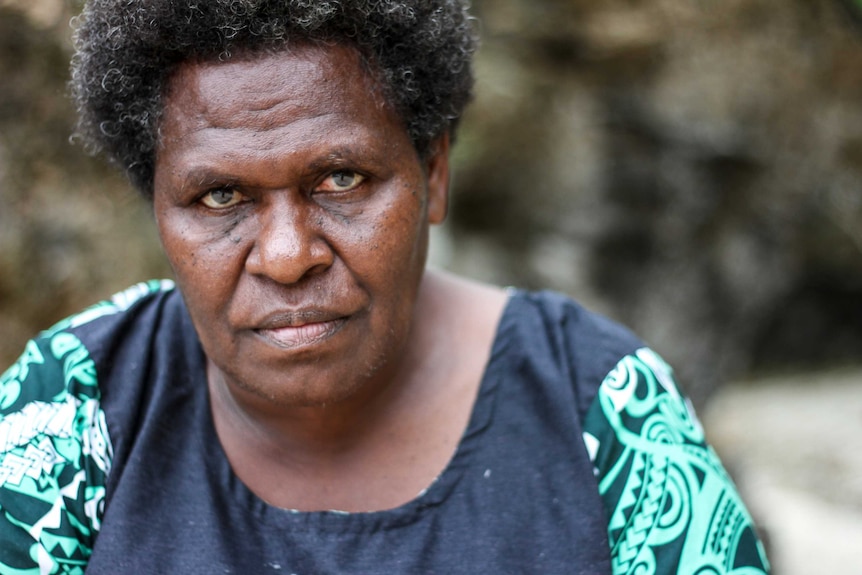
x=518, y=496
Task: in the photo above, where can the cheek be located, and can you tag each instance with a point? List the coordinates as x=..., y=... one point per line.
x=201, y=259
x=389, y=237
x=179, y=245
x=412, y=223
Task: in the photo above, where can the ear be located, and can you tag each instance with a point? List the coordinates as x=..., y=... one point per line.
x=437, y=169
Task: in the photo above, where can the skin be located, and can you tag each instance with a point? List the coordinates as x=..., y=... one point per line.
x=294, y=210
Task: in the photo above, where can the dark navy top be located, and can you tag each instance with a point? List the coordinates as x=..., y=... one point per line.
x=110, y=462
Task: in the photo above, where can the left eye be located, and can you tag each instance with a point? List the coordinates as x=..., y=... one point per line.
x=341, y=181
x=221, y=198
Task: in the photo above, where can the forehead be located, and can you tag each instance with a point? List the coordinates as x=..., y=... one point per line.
x=249, y=90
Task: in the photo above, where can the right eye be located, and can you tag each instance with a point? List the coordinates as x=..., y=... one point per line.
x=222, y=198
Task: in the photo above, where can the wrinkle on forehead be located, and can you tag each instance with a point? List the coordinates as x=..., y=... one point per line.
x=284, y=112
x=215, y=87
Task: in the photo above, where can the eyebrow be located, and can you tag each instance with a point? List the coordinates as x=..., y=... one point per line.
x=338, y=156
x=202, y=176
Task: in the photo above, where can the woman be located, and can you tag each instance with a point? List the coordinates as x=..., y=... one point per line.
x=308, y=399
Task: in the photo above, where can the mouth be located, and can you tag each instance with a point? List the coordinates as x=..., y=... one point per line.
x=293, y=333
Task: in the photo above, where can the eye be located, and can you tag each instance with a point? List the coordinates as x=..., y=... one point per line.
x=222, y=198
x=341, y=181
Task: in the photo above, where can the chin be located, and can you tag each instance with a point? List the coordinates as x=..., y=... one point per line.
x=306, y=388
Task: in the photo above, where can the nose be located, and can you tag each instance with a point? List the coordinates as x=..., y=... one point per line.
x=289, y=246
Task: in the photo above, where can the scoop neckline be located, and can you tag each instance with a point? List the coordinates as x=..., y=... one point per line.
x=239, y=494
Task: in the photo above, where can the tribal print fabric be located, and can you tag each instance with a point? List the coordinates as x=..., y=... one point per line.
x=55, y=452
x=671, y=506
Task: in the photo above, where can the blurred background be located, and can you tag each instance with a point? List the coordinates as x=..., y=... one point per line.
x=691, y=168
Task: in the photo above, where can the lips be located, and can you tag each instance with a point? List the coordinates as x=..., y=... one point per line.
x=297, y=329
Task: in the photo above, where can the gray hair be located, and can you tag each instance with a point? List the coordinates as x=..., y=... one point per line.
x=127, y=50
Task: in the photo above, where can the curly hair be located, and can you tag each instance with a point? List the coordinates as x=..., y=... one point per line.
x=126, y=51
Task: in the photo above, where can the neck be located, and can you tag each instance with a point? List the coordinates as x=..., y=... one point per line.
x=318, y=431
x=382, y=445
x=331, y=429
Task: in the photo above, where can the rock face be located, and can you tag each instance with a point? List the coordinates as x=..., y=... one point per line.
x=690, y=168
x=70, y=231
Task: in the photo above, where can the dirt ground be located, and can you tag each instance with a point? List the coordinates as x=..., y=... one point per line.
x=794, y=446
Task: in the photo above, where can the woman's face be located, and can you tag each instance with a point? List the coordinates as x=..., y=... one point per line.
x=294, y=210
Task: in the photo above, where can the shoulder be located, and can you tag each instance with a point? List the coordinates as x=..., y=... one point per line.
x=559, y=310
x=671, y=506
x=55, y=449
x=57, y=368
x=555, y=332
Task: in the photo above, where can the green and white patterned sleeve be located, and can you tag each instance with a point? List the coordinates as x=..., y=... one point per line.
x=55, y=455
x=671, y=506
